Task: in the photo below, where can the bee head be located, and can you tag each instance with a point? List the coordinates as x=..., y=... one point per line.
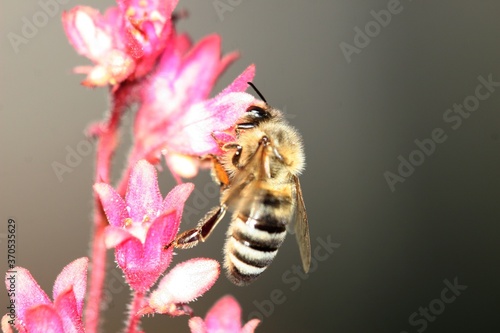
x=257, y=113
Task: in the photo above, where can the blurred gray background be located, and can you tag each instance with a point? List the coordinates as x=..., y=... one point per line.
x=396, y=247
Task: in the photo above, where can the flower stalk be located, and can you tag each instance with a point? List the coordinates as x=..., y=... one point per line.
x=107, y=141
x=133, y=317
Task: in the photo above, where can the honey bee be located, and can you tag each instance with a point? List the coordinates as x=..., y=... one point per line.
x=258, y=174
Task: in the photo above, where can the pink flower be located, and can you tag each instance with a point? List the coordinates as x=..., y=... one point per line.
x=150, y=24
x=142, y=224
x=137, y=40
x=223, y=317
x=184, y=283
x=124, y=43
x=34, y=310
x=175, y=117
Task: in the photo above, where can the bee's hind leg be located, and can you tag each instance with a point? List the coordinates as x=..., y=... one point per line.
x=190, y=238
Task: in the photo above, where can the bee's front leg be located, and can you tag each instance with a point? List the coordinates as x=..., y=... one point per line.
x=237, y=154
x=207, y=224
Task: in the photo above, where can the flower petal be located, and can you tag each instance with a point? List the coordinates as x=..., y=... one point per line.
x=143, y=8
x=200, y=69
x=227, y=60
x=175, y=200
x=128, y=256
x=224, y=137
x=86, y=31
x=115, y=236
x=240, y=84
x=182, y=165
x=250, y=326
x=143, y=194
x=69, y=310
x=161, y=233
x=184, y=283
x=6, y=327
x=73, y=276
x=197, y=325
x=224, y=316
x=201, y=120
x=113, y=204
x=194, y=130
x=149, y=23
x=114, y=67
x=43, y=319
x=144, y=263
x=182, y=43
x=28, y=292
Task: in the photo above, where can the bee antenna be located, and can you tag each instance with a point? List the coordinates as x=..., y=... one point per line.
x=257, y=91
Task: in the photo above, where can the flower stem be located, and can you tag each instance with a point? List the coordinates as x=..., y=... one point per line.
x=98, y=271
x=134, y=320
x=107, y=141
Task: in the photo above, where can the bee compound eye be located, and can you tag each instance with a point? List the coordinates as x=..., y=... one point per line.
x=257, y=112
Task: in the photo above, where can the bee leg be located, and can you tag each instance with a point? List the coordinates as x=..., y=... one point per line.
x=191, y=237
x=218, y=173
x=237, y=153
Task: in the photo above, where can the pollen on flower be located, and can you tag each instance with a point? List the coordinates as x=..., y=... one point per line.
x=119, y=62
x=130, y=12
x=98, y=76
x=128, y=222
x=115, y=67
x=156, y=16
x=183, y=165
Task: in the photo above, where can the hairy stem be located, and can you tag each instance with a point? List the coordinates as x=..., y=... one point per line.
x=134, y=320
x=107, y=136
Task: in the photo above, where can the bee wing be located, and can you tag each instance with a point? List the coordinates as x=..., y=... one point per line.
x=301, y=227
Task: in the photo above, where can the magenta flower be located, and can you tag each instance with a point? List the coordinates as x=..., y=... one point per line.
x=176, y=118
x=102, y=39
x=183, y=284
x=123, y=43
x=223, y=317
x=35, y=312
x=150, y=23
x=142, y=224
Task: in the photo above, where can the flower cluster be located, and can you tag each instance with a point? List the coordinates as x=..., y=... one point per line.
x=136, y=51
x=35, y=312
x=140, y=227
x=175, y=118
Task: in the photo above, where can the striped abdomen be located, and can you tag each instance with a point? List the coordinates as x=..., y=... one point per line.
x=255, y=235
